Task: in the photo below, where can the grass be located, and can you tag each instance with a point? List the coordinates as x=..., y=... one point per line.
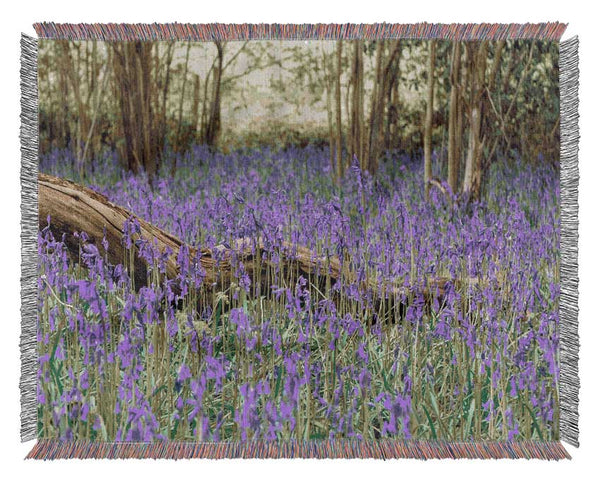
x=179, y=360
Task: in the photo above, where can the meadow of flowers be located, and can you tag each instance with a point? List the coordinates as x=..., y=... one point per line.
x=299, y=360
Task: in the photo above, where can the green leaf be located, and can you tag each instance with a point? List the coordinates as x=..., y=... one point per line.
x=431, y=425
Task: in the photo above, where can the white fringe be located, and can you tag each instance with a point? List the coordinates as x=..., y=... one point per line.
x=29, y=229
x=569, y=182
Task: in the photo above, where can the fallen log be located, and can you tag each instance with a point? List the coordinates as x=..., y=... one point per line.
x=73, y=208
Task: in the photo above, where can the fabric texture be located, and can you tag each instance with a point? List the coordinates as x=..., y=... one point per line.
x=299, y=241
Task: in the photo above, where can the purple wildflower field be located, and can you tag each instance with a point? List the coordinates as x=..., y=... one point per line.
x=303, y=361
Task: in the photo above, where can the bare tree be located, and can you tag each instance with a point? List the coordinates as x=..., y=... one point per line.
x=385, y=72
x=213, y=124
x=479, y=111
x=178, y=140
x=338, y=111
x=71, y=68
x=429, y=116
x=356, y=131
x=328, y=103
x=196, y=102
x=132, y=65
x=454, y=115
x=477, y=67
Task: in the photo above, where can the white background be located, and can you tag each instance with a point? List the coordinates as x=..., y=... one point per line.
x=18, y=17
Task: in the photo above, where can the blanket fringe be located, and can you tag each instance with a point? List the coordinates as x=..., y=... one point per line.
x=569, y=183
x=29, y=229
x=263, y=31
x=348, y=449
x=569, y=340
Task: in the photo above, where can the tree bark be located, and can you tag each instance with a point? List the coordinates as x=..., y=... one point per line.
x=385, y=72
x=473, y=166
x=196, y=105
x=338, y=112
x=375, y=114
x=132, y=67
x=356, y=138
x=328, y=103
x=429, y=117
x=162, y=134
x=213, y=126
x=178, y=147
x=454, y=134
x=72, y=70
x=74, y=208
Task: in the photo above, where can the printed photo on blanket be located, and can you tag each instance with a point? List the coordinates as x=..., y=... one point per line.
x=298, y=240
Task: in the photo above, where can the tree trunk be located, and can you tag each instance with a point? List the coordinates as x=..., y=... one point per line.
x=196, y=105
x=384, y=80
x=178, y=147
x=132, y=67
x=338, y=111
x=72, y=72
x=375, y=117
x=97, y=103
x=165, y=93
x=74, y=208
x=328, y=103
x=487, y=107
x=429, y=117
x=356, y=138
x=213, y=125
x=454, y=135
x=147, y=135
x=63, y=128
x=123, y=88
x=473, y=171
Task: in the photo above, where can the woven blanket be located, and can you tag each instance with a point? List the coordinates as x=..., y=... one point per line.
x=322, y=241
